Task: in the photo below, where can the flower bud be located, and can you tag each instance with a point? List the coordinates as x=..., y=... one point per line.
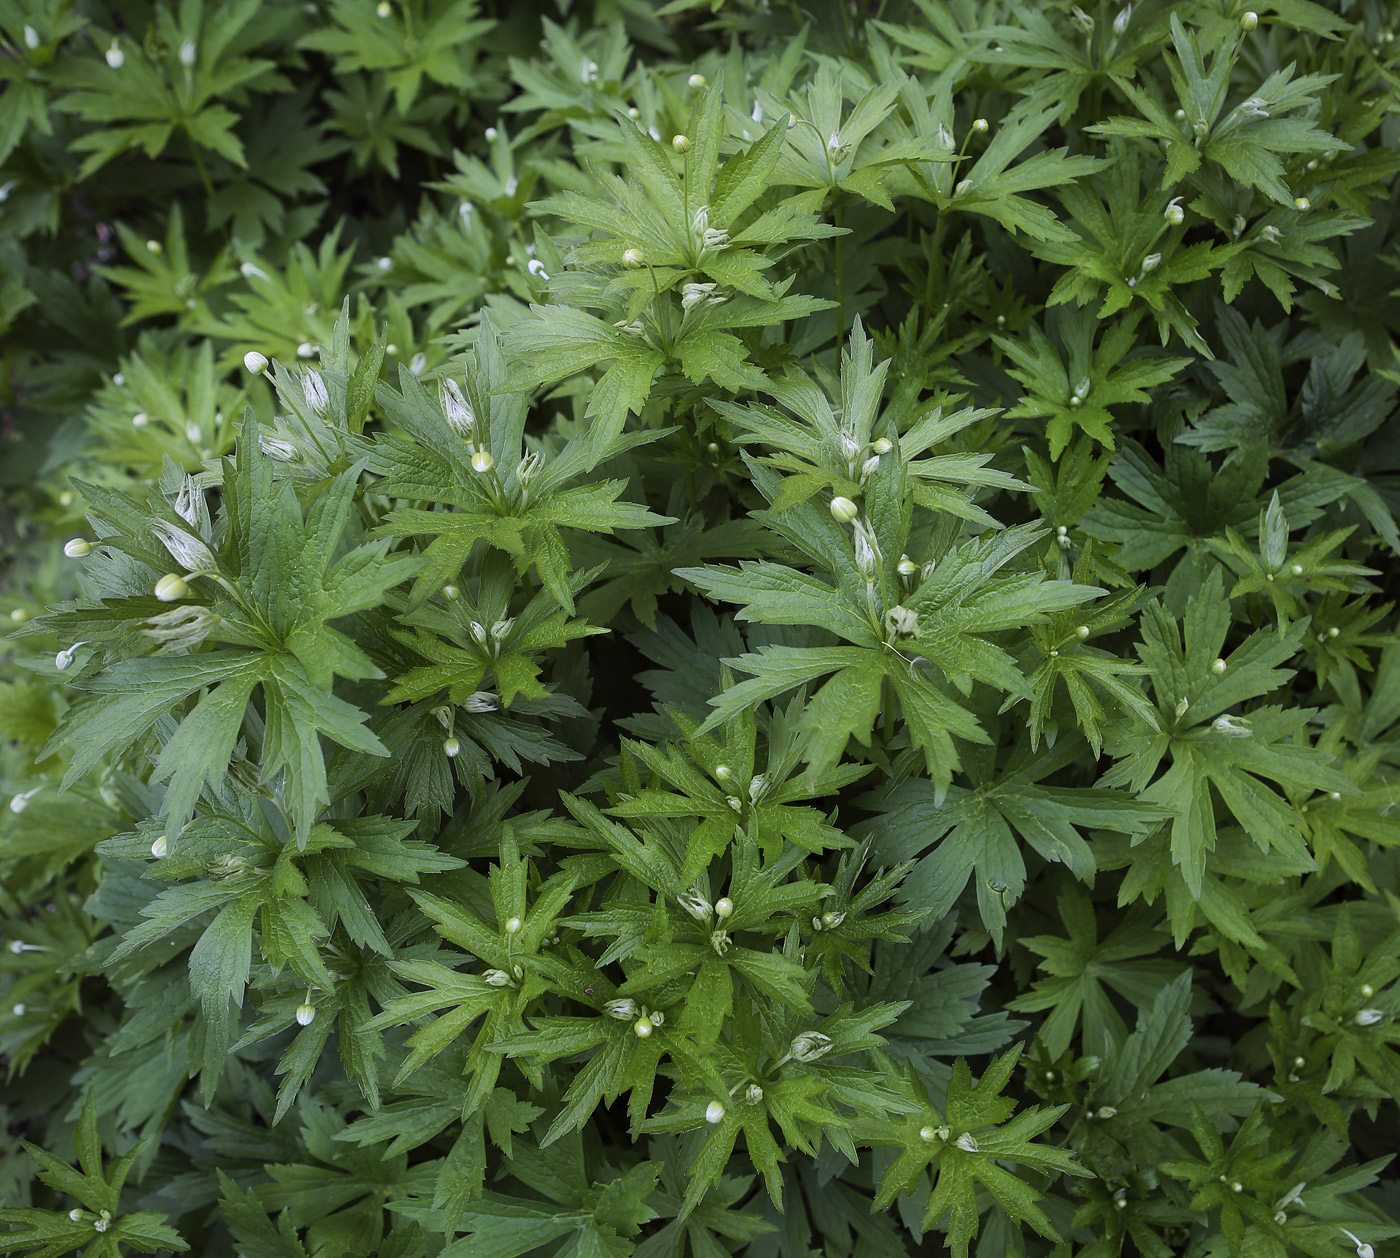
x=696, y=80
x=696, y=905
x=313, y=387
x=1174, y=214
x=907, y=567
x=482, y=461
x=643, y=1027
x=306, y=1014
x=496, y=978
x=623, y=1010
x=1368, y=1017
x=160, y=848
x=714, y=1113
x=1248, y=21
x=633, y=258
x=513, y=925
x=1366, y=989
x=882, y=446
x=844, y=510
x=1151, y=263
x=77, y=548
x=451, y=747
x=455, y=408
x=968, y=1143
x=451, y=593
x=115, y=57
x=1302, y=203
x=1082, y=631
x=31, y=38
x=724, y=906
x=21, y=801
x=980, y=126
x=140, y=419
x=680, y=143
x=255, y=362
x=170, y=587
x=536, y=268
x=754, y=1094
x=1218, y=667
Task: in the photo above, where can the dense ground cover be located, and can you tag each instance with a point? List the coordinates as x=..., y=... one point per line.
x=741, y=628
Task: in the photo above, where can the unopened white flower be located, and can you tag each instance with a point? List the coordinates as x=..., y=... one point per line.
x=306, y=1014
x=680, y=143
x=536, y=268
x=497, y=978
x=482, y=461
x=255, y=362
x=1249, y=20
x=31, y=38
x=513, y=925
x=696, y=80
x=633, y=258
x=754, y=1094
x=77, y=548
x=306, y=350
x=867, y=560
x=832, y=919
x=697, y=294
x=478, y=631
x=980, y=126
x=724, y=907
x=418, y=364
x=714, y=1113
x=188, y=53
x=882, y=445
x=1122, y=18
x=277, y=447
x=1151, y=263
x=809, y=1046
x=643, y=1027
x=907, y=567
x=1368, y=1017
x=140, y=419
x=459, y=414
x=1302, y=203
x=1174, y=214
x=623, y=1010
x=21, y=801
x=968, y=1143
x=901, y=622
x=481, y=701
x=160, y=848
x=1363, y=1250
x=1218, y=667
x=115, y=57
x=170, y=587
x=185, y=626
x=451, y=747
x=757, y=786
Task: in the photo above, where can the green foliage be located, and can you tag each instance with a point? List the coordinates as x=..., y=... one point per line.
x=713, y=629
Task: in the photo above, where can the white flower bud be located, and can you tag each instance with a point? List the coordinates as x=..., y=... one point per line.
x=1232, y=726
x=882, y=446
x=901, y=622
x=255, y=362
x=1121, y=20
x=451, y=748
x=757, y=786
x=633, y=258
x=714, y=1111
x=21, y=801
x=1082, y=631
x=77, y=548
x=306, y=1014
x=189, y=552
x=140, y=419
x=171, y=587
x=1181, y=707
x=623, y=1010
x=696, y=294
x=497, y=978
x=1174, y=214
x=831, y=920
x=1302, y=203
x=513, y=926
x=188, y=53
x=536, y=268
x=478, y=631
x=455, y=408
x=482, y=461
x=1248, y=21
x=31, y=38
x=1366, y=989
x=696, y=80
x=680, y=143
x=1151, y=263
x=62, y=661
x=418, y=364
x=724, y=907
x=481, y=701
x=1363, y=1250
x=754, y=1094
x=1368, y=1017
x=115, y=57
x=723, y=772
x=907, y=567
x=643, y=1027
x=968, y=1143
x=980, y=126
x=160, y=848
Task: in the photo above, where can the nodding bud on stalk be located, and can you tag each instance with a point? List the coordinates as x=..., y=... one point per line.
x=459, y=414
x=1363, y=1250
x=809, y=1046
x=867, y=560
x=306, y=1014
x=480, y=701
x=714, y=1113
x=21, y=801
x=1302, y=203
x=1174, y=214
x=450, y=748
x=313, y=387
x=77, y=548
x=536, y=268
x=930, y=1134
x=170, y=587
x=844, y=510
x=255, y=362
